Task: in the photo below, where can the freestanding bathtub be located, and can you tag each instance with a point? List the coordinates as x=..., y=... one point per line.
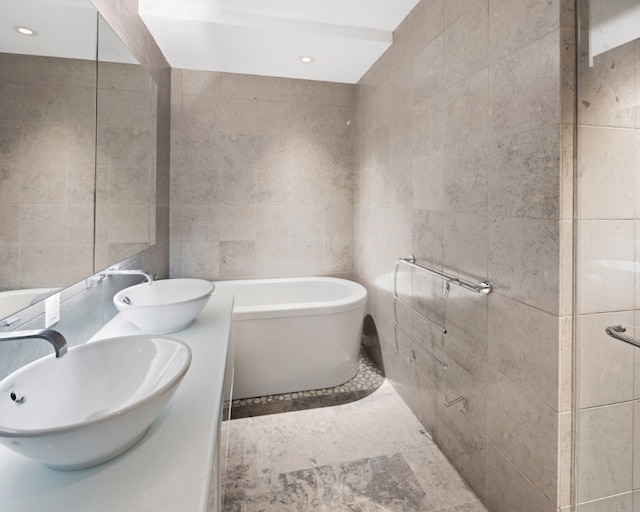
x=294, y=334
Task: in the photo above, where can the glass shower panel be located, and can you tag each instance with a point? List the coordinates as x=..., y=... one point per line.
x=607, y=378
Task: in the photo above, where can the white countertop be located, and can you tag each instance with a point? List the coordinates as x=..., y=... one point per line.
x=169, y=469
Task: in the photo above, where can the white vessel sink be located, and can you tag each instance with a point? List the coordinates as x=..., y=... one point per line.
x=163, y=306
x=94, y=403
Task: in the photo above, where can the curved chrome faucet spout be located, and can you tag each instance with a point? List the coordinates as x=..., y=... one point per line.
x=56, y=339
x=125, y=272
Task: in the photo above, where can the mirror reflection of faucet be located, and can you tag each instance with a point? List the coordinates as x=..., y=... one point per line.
x=125, y=272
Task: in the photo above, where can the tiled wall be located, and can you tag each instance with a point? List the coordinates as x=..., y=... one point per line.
x=464, y=159
x=608, y=374
x=261, y=176
x=47, y=141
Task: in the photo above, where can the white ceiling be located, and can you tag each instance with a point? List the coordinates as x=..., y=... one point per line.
x=66, y=28
x=267, y=37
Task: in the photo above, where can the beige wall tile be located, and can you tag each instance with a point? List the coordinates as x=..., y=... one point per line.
x=467, y=319
x=608, y=89
x=605, y=250
x=636, y=447
x=525, y=96
x=203, y=259
x=41, y=265
x=200, y=224
x=466, y=447
x=237, y=222
x=527, y=430
x=565, y=465
x=393, y=185
x=607, y=170
x=237, y=259
x=466, y=43
x=524, y=180
x=466, y=239
x=523, y=260
x=79, y=226
x=199, y=83
x=426, y=22
x=308, y=221
x=508, y=490
x=604, y=444
x=39, y=226
x=428, y=71
x=620, y=503
x=467, y=376
x=605, y=364
x=401, y=135
x=10, y=265
x=338, y=255
x=274, y=257
x=34, y=190
x=428, y=186
x=428, y=238
x=523, y=345
x=10, y=231
x=636, y=373
x=273, y=222
x=307, y=257
x=428, y=127
x=129, y=223
x=467, y=111
x=516, y=24
x=465, y=179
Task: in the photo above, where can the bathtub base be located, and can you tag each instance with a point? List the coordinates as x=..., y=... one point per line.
x=308, y=353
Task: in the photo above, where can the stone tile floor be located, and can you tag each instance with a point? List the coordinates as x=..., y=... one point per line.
x=370, y=455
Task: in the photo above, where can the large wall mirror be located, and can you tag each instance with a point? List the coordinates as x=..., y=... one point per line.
x=77, y=149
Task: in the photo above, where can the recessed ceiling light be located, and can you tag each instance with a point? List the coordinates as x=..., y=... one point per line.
x=25, y=31
x=306, y=59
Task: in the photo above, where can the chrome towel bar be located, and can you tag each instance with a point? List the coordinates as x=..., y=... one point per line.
x=615, y=332
x=485, y=287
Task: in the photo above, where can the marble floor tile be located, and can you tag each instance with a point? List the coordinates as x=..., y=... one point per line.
x=365, y=456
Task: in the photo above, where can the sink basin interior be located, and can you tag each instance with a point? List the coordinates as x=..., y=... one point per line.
x=93, y=403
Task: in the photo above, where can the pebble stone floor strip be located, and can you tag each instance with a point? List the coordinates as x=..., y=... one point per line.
x=366, y=381
x=368, y=455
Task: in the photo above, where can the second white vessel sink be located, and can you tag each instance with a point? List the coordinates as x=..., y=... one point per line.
x=164, y=306
x=94, y=403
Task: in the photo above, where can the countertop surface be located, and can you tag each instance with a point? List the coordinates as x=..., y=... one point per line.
x=170, y=468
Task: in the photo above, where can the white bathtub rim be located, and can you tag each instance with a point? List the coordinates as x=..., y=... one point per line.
x=354, y=300
x=311, y=309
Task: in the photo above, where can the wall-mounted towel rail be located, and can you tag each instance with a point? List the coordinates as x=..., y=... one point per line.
x=484, y=287
x=615, y=332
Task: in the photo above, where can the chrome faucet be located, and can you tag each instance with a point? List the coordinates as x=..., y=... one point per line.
x=56, y=339
x=125, y=272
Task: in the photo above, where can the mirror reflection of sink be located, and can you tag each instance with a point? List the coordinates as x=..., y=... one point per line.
x=92, y=404
x=164, y=306
x=15, y=300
